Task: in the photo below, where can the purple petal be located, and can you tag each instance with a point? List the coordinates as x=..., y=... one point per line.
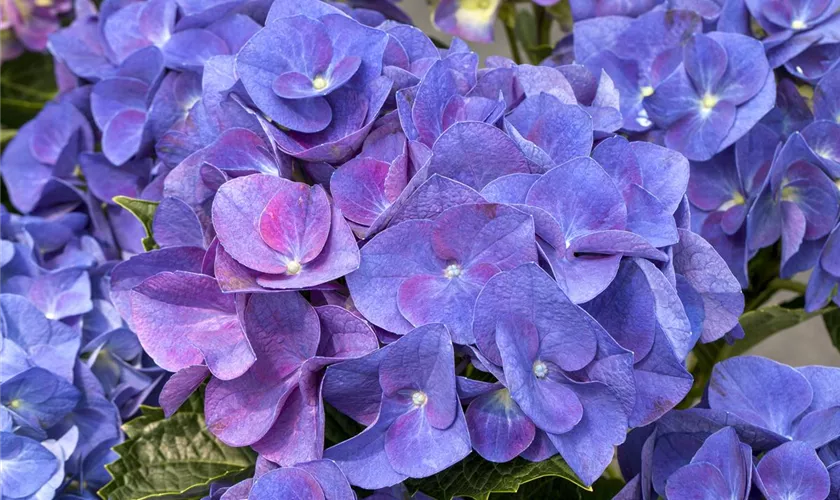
x=751, y=387
x=292, y=483
x=499, y=431
x=283, y=330
x=184, y=318
x=792, y=470
x=296, y=222
x=180, y=386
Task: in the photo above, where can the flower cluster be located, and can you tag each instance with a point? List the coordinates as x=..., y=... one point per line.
x=753, y=407
x=71, y=370
x=348, y=214
x=338, y=216
x=27, y=24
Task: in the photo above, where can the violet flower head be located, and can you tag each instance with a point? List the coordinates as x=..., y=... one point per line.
x=321, y=56
x=798, y=204
x=431, y=271
x=26, y=25
x=722, y=89
x=277, y=234
x=787, y=414
x=472, y=20
x=405, y=394
x=827, y=97
x=549, y=354
x=825, y=274
x=796, y=27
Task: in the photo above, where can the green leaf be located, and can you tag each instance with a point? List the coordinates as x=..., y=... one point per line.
x=832, y=324
x=175, y=458
x=144, y=210
x=763, y=323
x=477, y=478
x=603, y=489
x=562, y=12
x=27, y=83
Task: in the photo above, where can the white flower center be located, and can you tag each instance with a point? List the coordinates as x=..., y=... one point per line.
x=319, y=83
x=293, y=267
x=798, y=24
x=540, y=369
x=419, y=398
x=647, y=91
x=452, y=271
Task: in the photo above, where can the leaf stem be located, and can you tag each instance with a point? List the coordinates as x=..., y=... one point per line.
x=514, y=47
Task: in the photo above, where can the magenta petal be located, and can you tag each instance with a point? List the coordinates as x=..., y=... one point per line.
x=237, y=209
x=283, y=329
x=183, y=318
x=358, y=189
x=296, y=222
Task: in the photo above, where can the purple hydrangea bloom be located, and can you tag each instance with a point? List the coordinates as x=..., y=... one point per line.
x=786, y=412
x=534, y=339
x=798, y=204
x=277, y=234
x=27, y=24
x=795, y=27
x=294, y=91
x=431, y=271
x=722, y=89
x=825, y=274
x=827, y=97
x=405, y=393
x=275, y=406
x=721, y=468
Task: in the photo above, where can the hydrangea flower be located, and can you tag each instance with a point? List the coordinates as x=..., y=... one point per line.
x=722, y=89
x=786, y=412
x=27, y=25
x=794, y=28
x=405, y=394
x=798, y=203
x=278, y=234
x=472, y=20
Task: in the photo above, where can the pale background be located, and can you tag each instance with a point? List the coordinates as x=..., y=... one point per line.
x=806, y=344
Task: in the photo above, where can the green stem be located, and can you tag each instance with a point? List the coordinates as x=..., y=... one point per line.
x=514, y=47
x=774, y=286
x=543, y=22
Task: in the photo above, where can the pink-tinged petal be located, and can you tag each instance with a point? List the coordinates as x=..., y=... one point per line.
x=499, y=431
x=465, y=146
x=283, y=329
x=339, y=257
x=439, y=299
x=358, y=188
x=422, y=361
x=792, y=471
x=128, y=274
x=417, y=448
x=288, y=483
x=180, y=386
x=387, y=261
x=296, y=222
x=237, y=210
x=184, y=318
x=484, y=234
